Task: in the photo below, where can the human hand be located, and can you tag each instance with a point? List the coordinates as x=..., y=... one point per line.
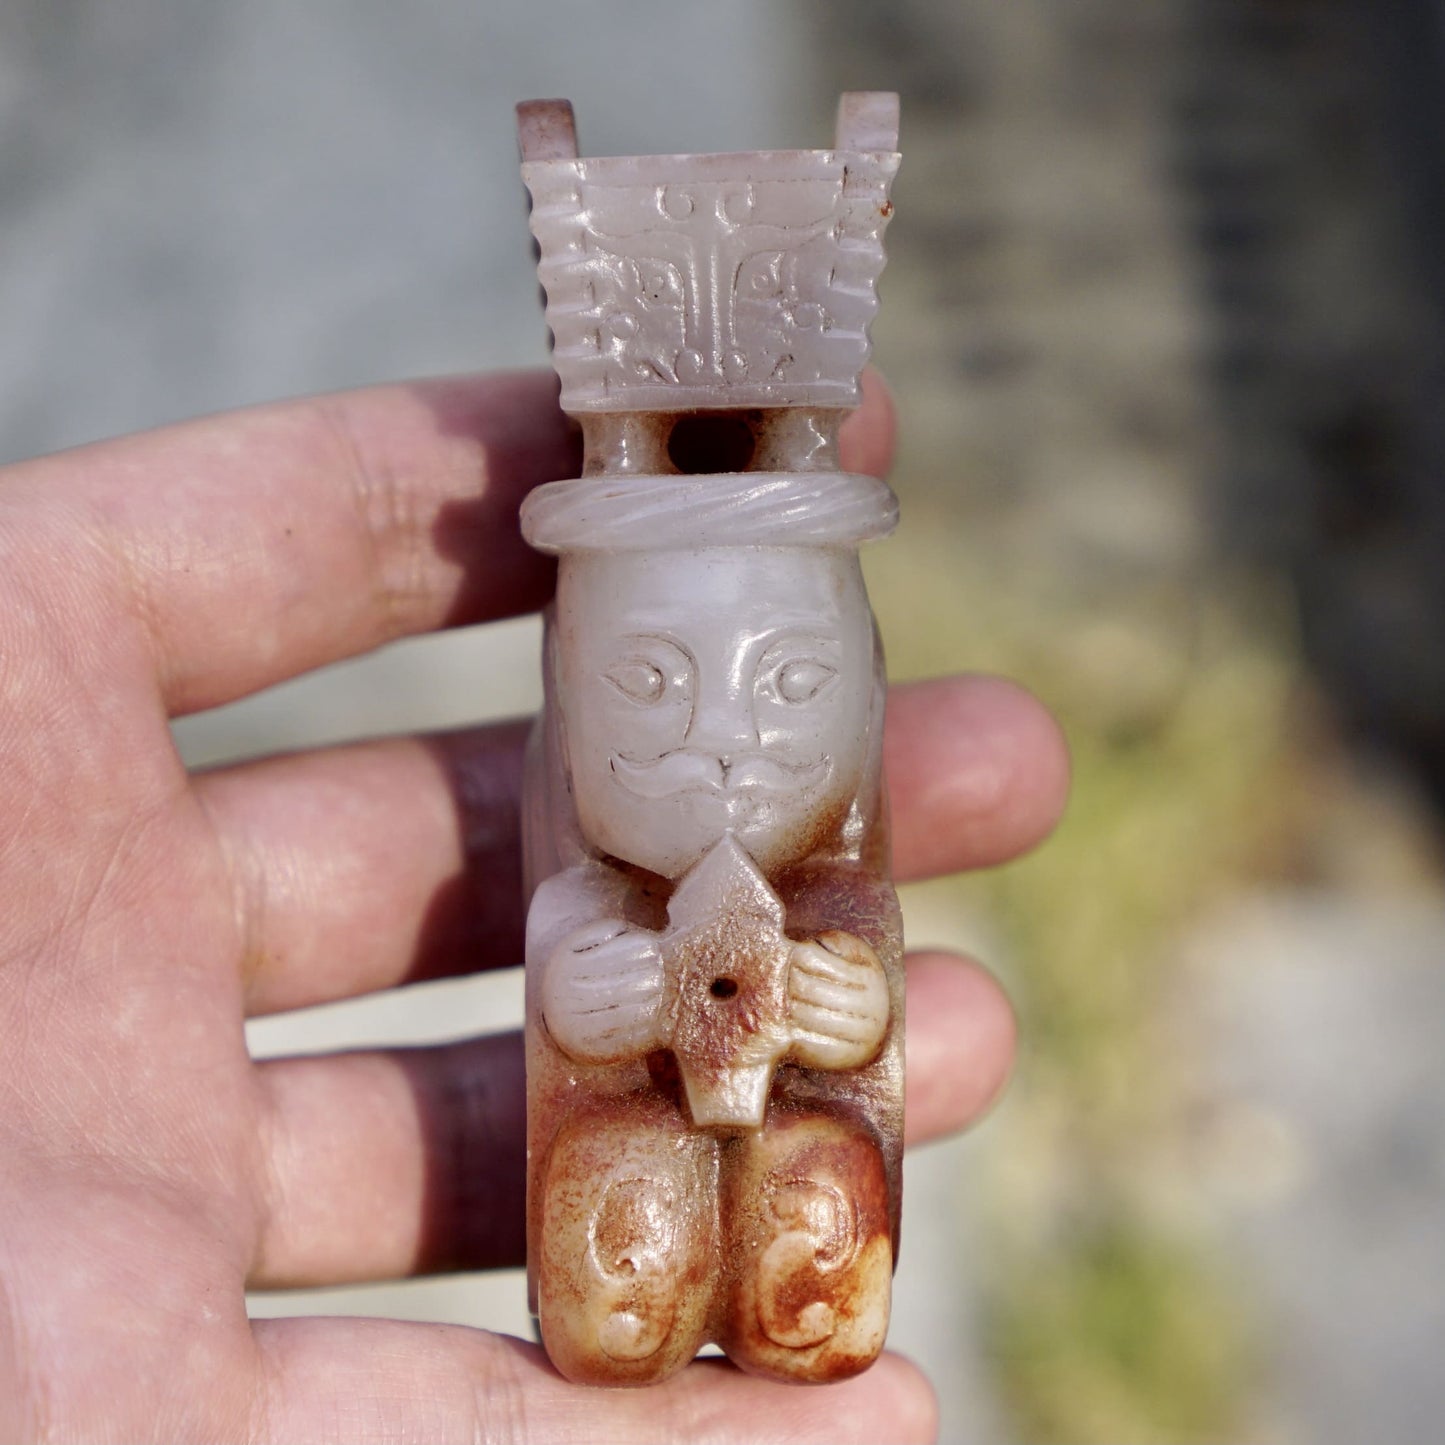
x=149, y=1170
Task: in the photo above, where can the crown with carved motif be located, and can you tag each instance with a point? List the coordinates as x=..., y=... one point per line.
x=691, y=282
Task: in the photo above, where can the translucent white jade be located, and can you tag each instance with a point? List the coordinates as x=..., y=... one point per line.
x=714, y=954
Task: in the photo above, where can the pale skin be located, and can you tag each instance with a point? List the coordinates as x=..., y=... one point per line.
x=149, y=1170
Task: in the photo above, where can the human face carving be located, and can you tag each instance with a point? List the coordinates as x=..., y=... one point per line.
x=712, y=691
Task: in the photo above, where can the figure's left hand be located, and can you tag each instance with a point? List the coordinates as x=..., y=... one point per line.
x=837, y=1001
x=149, y=1170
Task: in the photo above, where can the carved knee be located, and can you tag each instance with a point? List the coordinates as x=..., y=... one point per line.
x=629, y=1260
x=807, y=1215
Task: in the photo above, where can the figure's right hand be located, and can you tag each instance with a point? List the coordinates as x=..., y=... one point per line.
x=602, y=992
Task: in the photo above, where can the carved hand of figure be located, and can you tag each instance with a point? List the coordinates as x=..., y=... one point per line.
x=150, y=1169
x=602, y=992
x=837, y=1001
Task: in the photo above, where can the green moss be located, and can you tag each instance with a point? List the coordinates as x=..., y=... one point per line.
x=1115, y=1336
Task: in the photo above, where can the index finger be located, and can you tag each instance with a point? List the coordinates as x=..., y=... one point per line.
x=259, y=544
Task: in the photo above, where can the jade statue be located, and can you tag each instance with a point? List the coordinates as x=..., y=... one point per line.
x=714, y=950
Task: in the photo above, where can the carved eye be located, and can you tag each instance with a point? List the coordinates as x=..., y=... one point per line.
x=638, y=681
x=802, y=679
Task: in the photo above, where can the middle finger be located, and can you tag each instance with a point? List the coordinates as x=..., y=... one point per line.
x=363, y=867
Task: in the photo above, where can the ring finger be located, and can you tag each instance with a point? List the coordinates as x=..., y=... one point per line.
x=405, y=1161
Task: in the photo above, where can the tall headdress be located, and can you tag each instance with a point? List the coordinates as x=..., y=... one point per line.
x=737, y=286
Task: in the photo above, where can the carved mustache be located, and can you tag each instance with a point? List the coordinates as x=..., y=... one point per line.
x=687, y=771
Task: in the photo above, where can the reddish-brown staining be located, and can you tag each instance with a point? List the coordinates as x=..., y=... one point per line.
x=662, y=1070
x=862, y=1108
x=699, y=1275
x=797, y=439
x=831, y=897
x=820, y=1184
x=753, y=439
x=626, y=1216
x=803, y=1288
x=834, y=1366
x=630, y=443
x=818, y=833
x=713, y=1035
x=630, y=1229
x=870, y=1098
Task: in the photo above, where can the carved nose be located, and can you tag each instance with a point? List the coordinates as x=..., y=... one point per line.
x=724, y=731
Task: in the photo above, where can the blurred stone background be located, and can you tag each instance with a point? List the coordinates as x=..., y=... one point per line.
x=1164, y=319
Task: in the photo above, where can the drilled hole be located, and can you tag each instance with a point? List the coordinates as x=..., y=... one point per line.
x=703, y=443
x=724, y=987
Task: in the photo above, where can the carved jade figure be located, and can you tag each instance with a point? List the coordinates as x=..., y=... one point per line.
x=714, y=954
